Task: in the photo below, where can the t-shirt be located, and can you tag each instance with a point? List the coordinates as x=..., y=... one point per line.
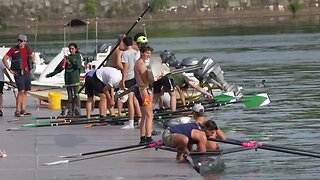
x=186, y=129
x=178, y=79
x=109, y=75
x=129, y=57
x=24, y=54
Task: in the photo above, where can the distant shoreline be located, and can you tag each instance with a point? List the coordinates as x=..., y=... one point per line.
x=108, y=27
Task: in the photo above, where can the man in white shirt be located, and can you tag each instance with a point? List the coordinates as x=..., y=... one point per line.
x=102, y=81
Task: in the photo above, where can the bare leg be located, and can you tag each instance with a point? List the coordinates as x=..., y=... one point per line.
x=103, y=104
x=173, y=101
x=89, y=106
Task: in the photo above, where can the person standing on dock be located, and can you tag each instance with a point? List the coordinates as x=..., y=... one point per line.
x=22, y=60
x=115, y=58
x=72, y=65
x=142, y=92
x=128, y=61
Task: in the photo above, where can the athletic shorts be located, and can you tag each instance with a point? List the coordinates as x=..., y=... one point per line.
x=143, y=96
x=93, y=85
x=23, y=82
x=167, y=137
x=129, y=83
x=166, y=83
x=1, y=87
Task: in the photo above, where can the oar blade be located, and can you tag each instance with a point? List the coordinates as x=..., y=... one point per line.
x=256, y=101
x=57, y=163
x=225, y=97
x=72, y=156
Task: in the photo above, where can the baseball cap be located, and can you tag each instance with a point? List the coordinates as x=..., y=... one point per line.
x=198, y=108
x=142, y=39
x=22, y=37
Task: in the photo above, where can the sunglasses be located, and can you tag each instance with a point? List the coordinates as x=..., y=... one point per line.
x=20, y=41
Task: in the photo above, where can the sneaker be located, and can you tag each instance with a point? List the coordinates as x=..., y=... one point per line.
x=142, y=140
x=17, y=114
x=24, y=113
x=128, y=126
x=149, y=140
x=1, y=113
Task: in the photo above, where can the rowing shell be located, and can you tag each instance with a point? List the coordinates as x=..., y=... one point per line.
x=206, y=163
x=209, y=162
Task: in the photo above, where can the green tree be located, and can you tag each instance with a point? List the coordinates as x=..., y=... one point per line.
x=156, y=5
x=90, y=7
x=294, y=7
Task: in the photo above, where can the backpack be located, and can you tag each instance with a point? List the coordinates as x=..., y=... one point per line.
x=16, y=61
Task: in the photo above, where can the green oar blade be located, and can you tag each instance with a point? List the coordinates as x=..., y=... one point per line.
x=36, y=125
x=225, y=97
x=256, y=101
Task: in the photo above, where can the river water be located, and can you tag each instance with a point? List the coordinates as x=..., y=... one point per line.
x=290, y=65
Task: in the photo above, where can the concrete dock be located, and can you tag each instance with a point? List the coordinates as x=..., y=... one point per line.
x=29, y=149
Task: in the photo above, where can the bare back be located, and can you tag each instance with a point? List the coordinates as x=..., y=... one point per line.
x=115, y=59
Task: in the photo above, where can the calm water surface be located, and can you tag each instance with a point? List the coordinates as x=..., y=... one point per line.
x=290, y=65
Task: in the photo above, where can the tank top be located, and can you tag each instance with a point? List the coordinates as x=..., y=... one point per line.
x=186, y=129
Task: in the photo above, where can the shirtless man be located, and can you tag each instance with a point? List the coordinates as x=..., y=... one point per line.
x=115, y=57
x=142, y=92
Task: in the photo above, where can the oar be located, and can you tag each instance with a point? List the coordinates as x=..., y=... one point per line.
x=260, y=145
x=54, y=117
x=159, y=143
x=67, y=122
x=116, y=46
x=109, y=151
x=56, y=87
x=283, y=147
x=252, y=101
x=177, y=71
x=12, y=86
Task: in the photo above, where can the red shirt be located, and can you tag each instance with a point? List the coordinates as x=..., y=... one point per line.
x=24, y=55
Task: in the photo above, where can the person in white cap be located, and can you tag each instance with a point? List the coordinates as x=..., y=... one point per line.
x=22, y=60
x=198, y=114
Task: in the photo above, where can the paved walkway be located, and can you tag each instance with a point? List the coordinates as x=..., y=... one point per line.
x=27, y=150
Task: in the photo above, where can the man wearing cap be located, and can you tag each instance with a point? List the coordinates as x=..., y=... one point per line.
x=198, y=114
x=141, y=40
x=22, y=59
x=184, y=136
x=128, y=61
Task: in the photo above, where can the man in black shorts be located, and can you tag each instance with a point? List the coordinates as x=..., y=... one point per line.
x=22, y=59
x=164, y=85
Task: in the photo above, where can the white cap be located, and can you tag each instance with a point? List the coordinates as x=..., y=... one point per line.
x=198, y=108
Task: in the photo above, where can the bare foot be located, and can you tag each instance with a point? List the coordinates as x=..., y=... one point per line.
x=181, y=158
x=2, y=154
